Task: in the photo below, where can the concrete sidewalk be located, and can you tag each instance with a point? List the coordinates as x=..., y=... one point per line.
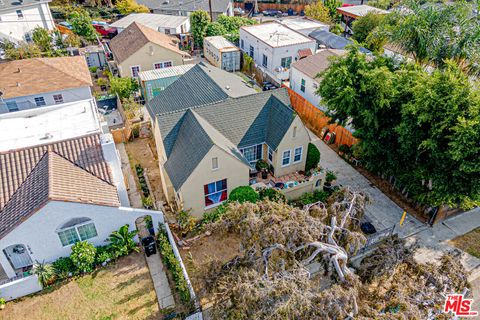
x=160, y=281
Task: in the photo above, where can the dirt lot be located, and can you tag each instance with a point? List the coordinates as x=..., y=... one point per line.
x=143, y=152
x=120, y=291
x=469, y=242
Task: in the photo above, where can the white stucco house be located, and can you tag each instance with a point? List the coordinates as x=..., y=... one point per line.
x=39, y=82
x=19, y=18
x=304, y=73
x=163, y=23
x=274, y=47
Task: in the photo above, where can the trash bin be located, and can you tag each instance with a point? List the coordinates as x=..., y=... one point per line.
x=149, y=245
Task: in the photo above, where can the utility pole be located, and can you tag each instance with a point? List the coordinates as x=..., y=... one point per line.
x=210, y=6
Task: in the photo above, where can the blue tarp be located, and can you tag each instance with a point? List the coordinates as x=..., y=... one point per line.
x=332, y=41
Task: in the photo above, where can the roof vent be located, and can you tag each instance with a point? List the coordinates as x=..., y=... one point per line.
x=227, y=87
x=47, y=136
x=19, y=84
x=18, y=70
x=166, y=2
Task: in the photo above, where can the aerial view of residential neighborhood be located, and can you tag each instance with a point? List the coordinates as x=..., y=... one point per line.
x=239, y=159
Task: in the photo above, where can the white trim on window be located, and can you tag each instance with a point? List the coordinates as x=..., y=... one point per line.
x=75, y=227
x=133, y=74
x=295, y=154
x=289, y=157
x=270, y=154
x=162, y=64
x=58, y=98
x=215, y=163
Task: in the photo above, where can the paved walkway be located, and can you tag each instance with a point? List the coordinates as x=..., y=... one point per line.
x=384, y=213
x=154, y=262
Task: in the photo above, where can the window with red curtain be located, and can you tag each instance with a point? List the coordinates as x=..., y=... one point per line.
x=215, y=192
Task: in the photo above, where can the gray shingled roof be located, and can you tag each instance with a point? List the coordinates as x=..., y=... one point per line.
x=331, y=40
x=230, y=124
x=204, y=84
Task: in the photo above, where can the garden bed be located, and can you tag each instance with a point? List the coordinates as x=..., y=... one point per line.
x=469, y=242
x=122, y=290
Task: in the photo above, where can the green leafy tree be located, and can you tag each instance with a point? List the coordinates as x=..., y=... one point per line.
x=130, y=6
x=380, y=4
x=313, y=157
x=83, y=256
x=318, y=11
x=199, y=21
x=45, y=273
x=243, y=194
x=364, y=27
x=433, y=32
x=122, y=240
x=124, y=87
x=82, y=24
x=42, y=39
x=23, y=51
x=215, y=29
x=73, y=40
x=332, y=6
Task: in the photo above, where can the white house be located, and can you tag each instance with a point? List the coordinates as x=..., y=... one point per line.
x=222, y=53
x=56, y=195
x=274, y=47
x=19, y=18
x=304, y=25
x=163, y=23
x=39, y=82
x=304, y=78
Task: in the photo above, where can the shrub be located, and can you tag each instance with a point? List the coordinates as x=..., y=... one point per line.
x=104, y=254
x=214, y=215
x=64, y=267
x=93, y=69
x=330, y=176
x=45, y=273
x=3, y=302
x=186, y=222
x=244, y=194
x=344, y=148
x=83, y=256
x=271, y=194
x=311, y=197
x=122, y=241
x=147, y=202
x=261, y=165
x=313, y=157
x=136, y=131
x=168, y=257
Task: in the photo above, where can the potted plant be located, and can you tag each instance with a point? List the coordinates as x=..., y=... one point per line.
x=329, y=178
x=2, y=303
x=343, y=150
x=262, y=166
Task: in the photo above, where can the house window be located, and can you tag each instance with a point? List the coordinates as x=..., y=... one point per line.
x=215, y=193
x=77, y=230
x=214, y=163
x=28, y=37
x=135, y=71
x=161, y=65
x=12, y=106
x=58, y=98
x=265, y=61
x=297, y=154
x=251, y=51
x=19, y=14
x=270, y=155
x=252, y=153
x=302, y=85
x=286, y=158
x=242, y=44
x=286, y=62
x=167, y=31
x=40, y=101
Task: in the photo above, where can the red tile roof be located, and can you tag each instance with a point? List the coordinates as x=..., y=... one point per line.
x=54, y=178
x=16, y=165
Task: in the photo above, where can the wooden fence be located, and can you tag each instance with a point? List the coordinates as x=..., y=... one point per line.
x=316, y=120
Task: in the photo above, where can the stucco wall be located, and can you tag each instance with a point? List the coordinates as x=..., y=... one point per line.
x=146, y=57
x=38, y=233
x=289, y=142
x=28, y=102
x=35, y=15
x=229, y=167
x=20, y=288
x=311, y=86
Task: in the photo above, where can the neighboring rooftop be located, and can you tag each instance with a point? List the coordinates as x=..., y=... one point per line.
x=359, y=11
x=174, y=71
x=230, y=124
x=54, y=178
x=31, y=127
x=331, y=40
x=15, y=4
x=15, y=166
x=202, y=84
x=312, y=65
x=302, y=23
x=38, y=75
x=275, y=34
x=221, y=43
x=136, y=36
x=218, y=6
x=151, y=20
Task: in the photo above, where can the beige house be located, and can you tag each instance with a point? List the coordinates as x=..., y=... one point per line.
x=140, y=48
x=211, y=147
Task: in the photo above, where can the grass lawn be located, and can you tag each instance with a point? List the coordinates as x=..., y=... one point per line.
x=469, y=242
x=123, y=290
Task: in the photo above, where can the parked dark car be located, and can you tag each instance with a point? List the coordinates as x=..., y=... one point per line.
x=272, y=13
x=149, y=245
